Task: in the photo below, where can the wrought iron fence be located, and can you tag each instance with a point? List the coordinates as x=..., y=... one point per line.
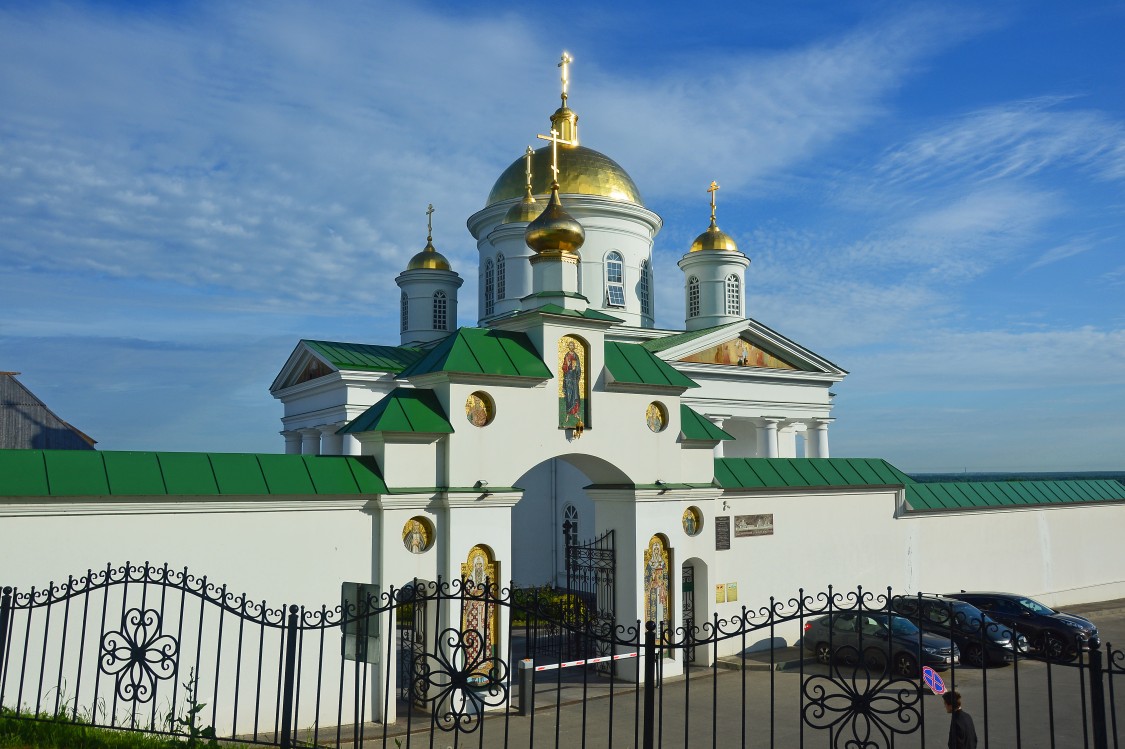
x=159, y=650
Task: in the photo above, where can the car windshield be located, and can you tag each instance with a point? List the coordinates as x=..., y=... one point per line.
x=1035, y=607
x=966, y=616
x=901, y=626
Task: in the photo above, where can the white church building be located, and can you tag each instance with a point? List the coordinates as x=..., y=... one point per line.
x=561, y=415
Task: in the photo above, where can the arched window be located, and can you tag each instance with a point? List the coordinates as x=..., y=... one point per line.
x=500, y=276
x=734, y=295
x=614, y=280
x=570, y=526
x=441, y=319
x=489, y=289
x=644, y=288
x=693, y=297
x=404, y=312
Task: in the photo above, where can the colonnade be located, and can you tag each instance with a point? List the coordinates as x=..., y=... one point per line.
x=320, y=440
x=771, y=436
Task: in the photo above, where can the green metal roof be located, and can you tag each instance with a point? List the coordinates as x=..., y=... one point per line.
x=587, y=314
x=485, y=352
x=695, y=426
x=366, y=357
x=777, y=473
x=80, y=473
x=631, y=363
x=402, y=410
x=993, y=494
x=671, y=341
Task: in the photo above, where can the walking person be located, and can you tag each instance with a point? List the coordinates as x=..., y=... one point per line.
x=962, y=733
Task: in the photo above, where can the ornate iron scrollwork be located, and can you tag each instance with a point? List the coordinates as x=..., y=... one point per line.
x=864, y=710
x=139, y=655
x=460, y=680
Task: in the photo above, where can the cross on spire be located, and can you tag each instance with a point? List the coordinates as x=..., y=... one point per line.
x=714, y=188
x=564, y=63
x=430, y=223
x=555, y=141
x=527, y=166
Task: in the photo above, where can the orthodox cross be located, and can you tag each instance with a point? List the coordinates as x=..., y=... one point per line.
x=430, y=223
x=565, y=65
x=555, y=141
x=527, y=167
x=713, y=189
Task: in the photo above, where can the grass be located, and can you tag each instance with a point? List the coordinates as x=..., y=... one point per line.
x=47, y=732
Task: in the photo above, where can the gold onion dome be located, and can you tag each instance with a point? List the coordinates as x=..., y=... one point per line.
x=713, y=239
x=582, y=171
x=524, y=211
x=428, y=259
x=555, y=230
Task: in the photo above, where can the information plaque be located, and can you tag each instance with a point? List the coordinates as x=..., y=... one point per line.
x=722, y=533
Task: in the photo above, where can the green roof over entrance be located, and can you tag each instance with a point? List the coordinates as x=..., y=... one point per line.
x=80, y=473
x=965, y=495
x=366, y=357
x=671, y=341
x=788, y=473
x=632, y=364
x=403, y=410
x=695, y=426
x=480, y=351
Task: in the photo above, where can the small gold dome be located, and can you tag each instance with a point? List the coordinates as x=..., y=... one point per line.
x=525, y=211
x=582, y=171
x=713, y=239
x=428, y=259
x=555, y=230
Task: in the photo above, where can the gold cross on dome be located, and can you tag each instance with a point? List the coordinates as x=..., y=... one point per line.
x=564, y=63
x=555, y=141
x=429, y=223
x=527, y=166
x=714, y=188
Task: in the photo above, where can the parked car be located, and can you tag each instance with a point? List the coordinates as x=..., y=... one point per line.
x=1052, y=634
x=981, y=640
x=873, y=637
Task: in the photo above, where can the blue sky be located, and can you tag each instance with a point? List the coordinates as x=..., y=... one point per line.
x=931, y=195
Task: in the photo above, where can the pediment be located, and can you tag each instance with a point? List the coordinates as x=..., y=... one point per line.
x=303, y=365
x=745, y=345
x=738, y=352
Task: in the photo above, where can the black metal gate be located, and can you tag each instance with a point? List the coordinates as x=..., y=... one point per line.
x=687, y=589
x=162, y=651
x=591, y=575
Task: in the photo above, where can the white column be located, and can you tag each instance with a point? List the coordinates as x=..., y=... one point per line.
x=770, y=428
x=292, y=442
x=821, y=426
x=330, y=442
x=350, y=445
x=718, y=420
x=787, y=442
x=310, y=442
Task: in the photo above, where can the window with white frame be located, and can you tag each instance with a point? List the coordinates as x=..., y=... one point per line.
x=500, y=276
x=404, y=312
x=489, y=290
x=441, y=318
x=570, y=526
x=693, y=297
x=614, y=280
x=734, y=295
x=644, y=288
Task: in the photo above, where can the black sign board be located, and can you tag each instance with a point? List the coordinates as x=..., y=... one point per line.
x=722, y=533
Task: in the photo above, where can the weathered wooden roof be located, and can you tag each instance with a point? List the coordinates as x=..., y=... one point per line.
x=27, y=424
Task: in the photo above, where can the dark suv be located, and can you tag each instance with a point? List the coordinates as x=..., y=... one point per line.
x=1053, y=634
x=982, y=640
x=874, y=636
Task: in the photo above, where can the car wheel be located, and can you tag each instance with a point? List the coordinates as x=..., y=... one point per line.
x=823, y=653
x=906, y=664
x=1054, y=649
x=876, y=661
x=973, y=654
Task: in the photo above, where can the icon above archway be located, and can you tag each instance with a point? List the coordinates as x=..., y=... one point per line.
x=573, y=383
x=692, y=521
x=656, y=416
x=417, y=534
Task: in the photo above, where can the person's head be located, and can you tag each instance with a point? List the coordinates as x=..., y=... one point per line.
x=952, y=701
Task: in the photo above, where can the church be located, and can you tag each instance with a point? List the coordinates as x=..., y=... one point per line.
x=697, y=459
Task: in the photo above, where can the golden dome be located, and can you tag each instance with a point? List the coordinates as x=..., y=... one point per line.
x=428, y=259
x=582, y=171
x=713, y=239
x=525, y=211
x=555, y=230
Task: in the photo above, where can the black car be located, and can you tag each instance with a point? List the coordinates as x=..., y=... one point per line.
x=874, y=636
x=1052, y=634
x=982, y=640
